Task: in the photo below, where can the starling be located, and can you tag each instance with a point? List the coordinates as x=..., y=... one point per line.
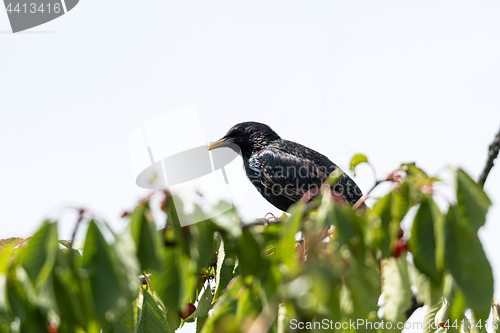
x=283, y=171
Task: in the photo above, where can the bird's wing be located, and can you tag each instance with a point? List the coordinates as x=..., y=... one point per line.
x=288, y=175
x=344, y=186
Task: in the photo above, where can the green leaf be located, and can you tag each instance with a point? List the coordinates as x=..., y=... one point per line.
x=39, y=256
x=200, y=322
x=21, y=301
x=400, y=204
x=225, y=217
x=285, y=248
x=110, y=289
x=224, y=270
x=153, y=317
x=363, y=281
x=349, y=229
x=11, y=241
x=344, y=227
x=173, y=320
x=3, y=293
x=188, y=278
x=227, y=274
x=167, y=283
x=382, y=211
x=115, y=328
x=442, y=314
x=473, y=203
x=356, y=160
x=396, y=288
x=249, y=251
x=249, y=304
x=70, y=301
x=6, y=254
x=221, y=255
x=146, y=237
x=326, y=282
x=335, y=176
x=223, y=316
x=204, y=305
x=128, y=320
x=422, y=283
x=202, y=244
x=77, y=244
x=430, y=316
x=175, y=282
x=457, y=307
x=422, y=242
x=468, y=264
x=129, y=265
x=389, y=211
x=173, y=222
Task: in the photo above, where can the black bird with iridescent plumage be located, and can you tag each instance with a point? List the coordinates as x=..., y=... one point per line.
x=283, y=171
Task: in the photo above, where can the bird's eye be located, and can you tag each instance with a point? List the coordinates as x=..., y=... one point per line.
x=236, y=132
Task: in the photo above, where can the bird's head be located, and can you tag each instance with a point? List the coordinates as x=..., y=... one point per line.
x=249, y=136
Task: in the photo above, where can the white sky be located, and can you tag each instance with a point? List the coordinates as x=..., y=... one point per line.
x=396, y=80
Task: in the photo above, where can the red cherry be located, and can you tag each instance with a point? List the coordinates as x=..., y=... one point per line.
x=401, y=233
x=399, y=248
x=188, y=311
x=52, y=328
x=441, y=324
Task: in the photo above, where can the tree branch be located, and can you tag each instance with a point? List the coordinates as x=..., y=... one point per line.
x=492, y=154
x=262, y=222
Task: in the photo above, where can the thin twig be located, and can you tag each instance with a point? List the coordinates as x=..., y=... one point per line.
x=492, y=154
x=80, y=219
x=365, y=197
x=373, y=170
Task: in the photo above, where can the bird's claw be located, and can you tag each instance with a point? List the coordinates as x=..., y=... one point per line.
x=267, y=220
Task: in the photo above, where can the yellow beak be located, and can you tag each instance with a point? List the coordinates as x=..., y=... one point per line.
x=218, y=144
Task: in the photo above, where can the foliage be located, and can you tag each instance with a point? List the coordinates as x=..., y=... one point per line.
x=323, y=262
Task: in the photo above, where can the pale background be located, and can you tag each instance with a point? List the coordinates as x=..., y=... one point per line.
x=397, y=81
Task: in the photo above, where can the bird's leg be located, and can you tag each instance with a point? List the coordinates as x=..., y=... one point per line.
x=327, y=232
x=360, y=203
x=267, y=220
x=310, y=194
x=338, y=197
